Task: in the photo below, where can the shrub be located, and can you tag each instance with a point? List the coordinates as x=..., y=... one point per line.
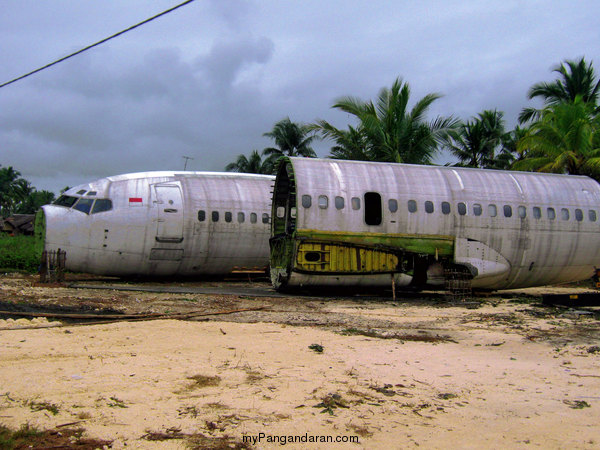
x=18, y=253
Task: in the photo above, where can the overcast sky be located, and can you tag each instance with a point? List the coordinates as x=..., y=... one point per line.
x=207, y=80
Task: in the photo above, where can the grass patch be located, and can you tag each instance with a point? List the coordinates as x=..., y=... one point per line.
x=43, y=406
x=330, y=402
x=400, y=337
x=10, y=439
x=197, y=440
x=18, y=253
x=576, y=404
x=316, y=348
x=29, y=437
x=200, y=381
x=117, y=403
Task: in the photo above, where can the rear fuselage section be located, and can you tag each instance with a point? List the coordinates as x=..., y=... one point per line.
x=345, y=222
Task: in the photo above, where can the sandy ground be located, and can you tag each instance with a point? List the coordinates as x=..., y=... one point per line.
x=414, y=372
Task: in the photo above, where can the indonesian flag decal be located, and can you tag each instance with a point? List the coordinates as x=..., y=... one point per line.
x=135, y=201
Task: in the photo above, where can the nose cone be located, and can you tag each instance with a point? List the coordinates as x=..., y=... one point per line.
x=39, y=231
x=53, y=228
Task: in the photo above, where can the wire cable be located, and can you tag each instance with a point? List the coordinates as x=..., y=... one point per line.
x=97, y=43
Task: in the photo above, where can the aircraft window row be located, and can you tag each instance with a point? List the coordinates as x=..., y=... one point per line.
x=477, y=210
x=373, y=211
x=85, y=205
x=228, y=217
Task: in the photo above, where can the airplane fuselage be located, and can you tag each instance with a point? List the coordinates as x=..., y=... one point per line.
x=162, y=223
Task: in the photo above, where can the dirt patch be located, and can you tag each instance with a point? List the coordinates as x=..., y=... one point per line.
x=311, y=371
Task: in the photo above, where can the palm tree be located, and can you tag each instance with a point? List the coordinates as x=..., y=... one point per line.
x=291, y=139
x=475, y=143
x=254, y=164
x=34, y=201
x=565, y=140
x=577, y=78
x=469, y=144
x=13, y=189
x=391, y=131
x=508, y=154
x=350, y=144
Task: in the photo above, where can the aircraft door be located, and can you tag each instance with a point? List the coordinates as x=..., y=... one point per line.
x=170, y=213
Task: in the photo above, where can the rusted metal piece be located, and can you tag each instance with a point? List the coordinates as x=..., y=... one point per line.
x=52, y=266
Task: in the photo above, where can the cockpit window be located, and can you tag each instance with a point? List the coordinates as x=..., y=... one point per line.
x=81, y=192
x=101, y=205
x=65, y=200
x=91, y=193
x=84, y=205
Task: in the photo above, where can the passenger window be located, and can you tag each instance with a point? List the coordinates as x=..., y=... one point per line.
x=373, y=212
x=306, y=201
x=477, y=209
x=355, y=203
x=339, y=203
x=393, y=205
x=201, y=215
x=462, y=209
x=280, y=212
x=522, y=212
x=293, y=212
x=215, y=216
x=445, y=208
x=492, y=211
x=537, y=212
x=428, y=207
x=412, y=206
x=507, y=211
x=101, y=205
x=228, y=217
x=241, y=217
x=551, y=213
x=592, y=215
x=578, y=215
x=265, y=218
x=84, y=205
x=253, y=218
x=564, y=214
x=323, y=202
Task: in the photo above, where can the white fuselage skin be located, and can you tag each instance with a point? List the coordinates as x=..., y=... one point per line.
x=521, y=247
x=164, y=224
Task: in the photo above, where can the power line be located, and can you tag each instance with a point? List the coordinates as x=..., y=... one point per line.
x=97, y=43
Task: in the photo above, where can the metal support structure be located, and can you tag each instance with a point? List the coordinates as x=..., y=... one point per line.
x=52, y=267
x=457, y=283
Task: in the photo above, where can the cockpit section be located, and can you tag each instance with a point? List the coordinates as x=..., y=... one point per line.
x=85, y=204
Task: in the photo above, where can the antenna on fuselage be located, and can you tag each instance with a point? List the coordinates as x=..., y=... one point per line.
x=187, y=158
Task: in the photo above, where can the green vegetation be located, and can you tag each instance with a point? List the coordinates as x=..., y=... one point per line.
x=10, y=439
x=316, y=348
x=18, y=253
x=561, y=137
x=388, y=130
x=17, y=196
x=291, y=139
x=43, y=406
x=482, y=142
x=117, y=403
x=566, y=139
x=254, y=164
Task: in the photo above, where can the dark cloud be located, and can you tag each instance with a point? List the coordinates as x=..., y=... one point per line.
x=208, y=80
